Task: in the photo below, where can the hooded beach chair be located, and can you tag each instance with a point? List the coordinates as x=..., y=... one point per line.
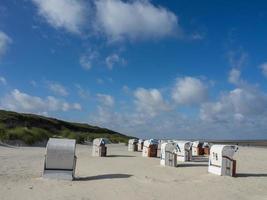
x=197, y=148
x=150, y=148
x=60, y=159
x=133, y=145
x=168, y=156
x=140, y=145
x=221, y=160
x=206, y=147
x=99, y=147
x=184, y=151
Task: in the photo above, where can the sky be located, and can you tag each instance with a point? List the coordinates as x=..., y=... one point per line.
x=146, y=68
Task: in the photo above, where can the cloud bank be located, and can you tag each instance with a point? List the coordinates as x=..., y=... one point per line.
x=23, y=102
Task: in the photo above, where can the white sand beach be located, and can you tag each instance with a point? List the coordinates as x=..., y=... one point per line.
x=127, y=175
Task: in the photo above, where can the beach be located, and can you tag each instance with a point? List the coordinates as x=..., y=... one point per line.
x=127, y=175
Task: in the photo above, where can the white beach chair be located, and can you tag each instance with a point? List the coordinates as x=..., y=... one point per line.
x=132, y=145
x=197, y=148
x=140, y=145
x=184, y=151
x=99, y=147
x=150, y=148
x=221, y=160
x=168, y=156
x=60, y=159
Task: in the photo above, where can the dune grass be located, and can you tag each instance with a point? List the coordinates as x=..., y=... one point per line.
x=31, y=129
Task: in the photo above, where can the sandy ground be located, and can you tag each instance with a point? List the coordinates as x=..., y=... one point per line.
x=127, y=175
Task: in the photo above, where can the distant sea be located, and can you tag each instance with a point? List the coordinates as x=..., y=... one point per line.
x=255, y=143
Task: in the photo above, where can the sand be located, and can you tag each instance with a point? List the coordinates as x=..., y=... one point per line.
x=127, y=175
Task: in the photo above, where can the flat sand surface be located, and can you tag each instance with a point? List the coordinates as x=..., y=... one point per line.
x=127, y=175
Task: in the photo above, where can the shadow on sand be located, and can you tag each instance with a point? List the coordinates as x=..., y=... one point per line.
x=122, y=156
x=193, y=165
x=103, y=176
x=250, y=175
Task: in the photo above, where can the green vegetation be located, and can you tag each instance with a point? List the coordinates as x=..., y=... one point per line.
x=31, y=129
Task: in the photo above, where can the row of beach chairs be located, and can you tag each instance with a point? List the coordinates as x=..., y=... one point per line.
x=60, y=158
x=171, y=152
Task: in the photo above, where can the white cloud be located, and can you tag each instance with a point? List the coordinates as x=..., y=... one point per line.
x=5, y=41
x=234, y=76
x=163, y=125
x=67, y=14
x=189, y=91
x=117, y=19
x=173, y=124
x=240, y=113
x=113, y=59
x=240, y=103
x=150, y=101
x=3, y=80
x=149, y=104
x=135, y=19
x=264, y=69
x=58, y=89
x=106, y=100
x=87, y=60
x=22, y=102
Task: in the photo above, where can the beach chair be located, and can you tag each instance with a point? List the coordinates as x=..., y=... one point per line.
x=133, y=145
x=99, y=147
x=206, y=147
x=150, y=148
x=168, y=154
x=60, y=159
x=184, y=151
x=140, y=145
x=221, y=160
x=197, y=148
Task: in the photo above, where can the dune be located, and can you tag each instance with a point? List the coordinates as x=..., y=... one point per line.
x=127, y=175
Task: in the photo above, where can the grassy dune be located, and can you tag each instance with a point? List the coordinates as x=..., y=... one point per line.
x=32, y=129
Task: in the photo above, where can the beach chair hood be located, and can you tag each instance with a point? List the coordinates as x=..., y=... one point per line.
x=100, y=141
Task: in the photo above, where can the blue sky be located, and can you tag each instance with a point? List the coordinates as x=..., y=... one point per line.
x=163, y=69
